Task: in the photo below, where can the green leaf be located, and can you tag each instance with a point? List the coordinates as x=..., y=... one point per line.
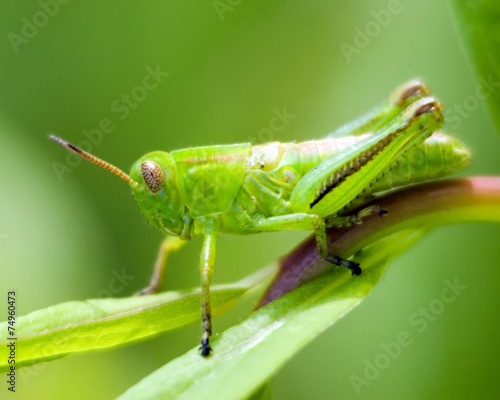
x=479, y=27
x=263, y=393
x=95, y=324
x=248, y=354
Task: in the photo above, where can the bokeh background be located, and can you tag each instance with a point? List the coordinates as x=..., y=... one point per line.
x=231, y=64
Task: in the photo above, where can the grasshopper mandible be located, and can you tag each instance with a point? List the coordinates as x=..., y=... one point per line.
x=244, y=189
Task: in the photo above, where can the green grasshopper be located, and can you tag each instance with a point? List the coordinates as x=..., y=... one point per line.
x=244, y=189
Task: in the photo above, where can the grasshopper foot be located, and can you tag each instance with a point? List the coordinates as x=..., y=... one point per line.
x=146, y=291
x=377, y=210
x=354, y=267
x=205, y=348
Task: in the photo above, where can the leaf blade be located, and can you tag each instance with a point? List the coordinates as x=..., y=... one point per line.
x=79, y=326
x=248, y=354
x=477, y=24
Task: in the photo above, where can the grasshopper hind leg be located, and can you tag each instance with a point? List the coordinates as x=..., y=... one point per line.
x=339, y=221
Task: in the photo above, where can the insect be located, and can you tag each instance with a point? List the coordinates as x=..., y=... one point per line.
x=245, y=189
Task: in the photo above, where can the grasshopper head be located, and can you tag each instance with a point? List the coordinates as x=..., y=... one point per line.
x=157, y=193
x=154, y=184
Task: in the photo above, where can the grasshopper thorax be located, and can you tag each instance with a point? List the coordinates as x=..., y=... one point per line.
x=157, y=193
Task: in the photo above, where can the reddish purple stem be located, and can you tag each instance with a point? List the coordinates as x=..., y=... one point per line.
x=426, y=205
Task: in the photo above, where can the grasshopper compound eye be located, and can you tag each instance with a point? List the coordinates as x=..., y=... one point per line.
x=153, y=175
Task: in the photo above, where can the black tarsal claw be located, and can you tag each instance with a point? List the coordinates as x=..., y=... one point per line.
x=354, y=267
x=205, y=348
x=382, y=212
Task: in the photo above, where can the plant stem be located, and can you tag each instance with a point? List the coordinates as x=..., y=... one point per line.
x=421, y=206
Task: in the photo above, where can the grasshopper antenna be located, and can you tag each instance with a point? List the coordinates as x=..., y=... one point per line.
x=94, y=160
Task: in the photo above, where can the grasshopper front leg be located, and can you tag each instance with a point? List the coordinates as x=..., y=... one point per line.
x=168, y=245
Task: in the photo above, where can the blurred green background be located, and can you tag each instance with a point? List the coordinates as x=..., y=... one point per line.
x=66, y=237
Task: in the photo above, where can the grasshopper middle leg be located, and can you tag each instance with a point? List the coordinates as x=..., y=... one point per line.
x=303, y=221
